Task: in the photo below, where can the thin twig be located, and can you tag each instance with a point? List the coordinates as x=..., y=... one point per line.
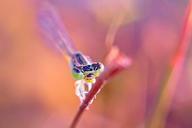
x=118, y=64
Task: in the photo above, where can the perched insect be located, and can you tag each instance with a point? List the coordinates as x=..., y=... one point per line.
x=83, y=69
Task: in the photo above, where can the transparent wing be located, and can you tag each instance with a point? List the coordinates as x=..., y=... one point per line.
x=53, y=29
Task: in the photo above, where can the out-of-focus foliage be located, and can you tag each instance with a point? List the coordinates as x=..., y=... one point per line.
x=123, y=10
x=36, y=86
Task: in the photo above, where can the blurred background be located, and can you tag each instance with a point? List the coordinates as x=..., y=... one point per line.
x=36, y=86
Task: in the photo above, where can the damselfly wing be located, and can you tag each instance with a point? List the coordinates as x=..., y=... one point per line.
x=83, y=69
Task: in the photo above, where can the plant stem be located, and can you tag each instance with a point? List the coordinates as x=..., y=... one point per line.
x=122, y=62
x=158, y=118
x=116, y=63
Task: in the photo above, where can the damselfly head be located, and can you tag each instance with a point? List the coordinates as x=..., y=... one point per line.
x=82, y=69
x=92, y=71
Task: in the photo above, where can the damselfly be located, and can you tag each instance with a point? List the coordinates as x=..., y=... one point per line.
x=83, y=69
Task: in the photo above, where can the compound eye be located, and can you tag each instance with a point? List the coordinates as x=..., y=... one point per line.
x=76, y=70
x=98, y=68
x=87, y=68
x=77, y=74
